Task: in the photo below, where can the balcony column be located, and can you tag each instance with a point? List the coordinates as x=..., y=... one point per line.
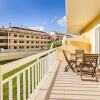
x=8, y=40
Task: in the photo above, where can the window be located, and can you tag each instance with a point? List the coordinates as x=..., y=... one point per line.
x=1, y=41
x=37, y=41
x=5, y=47
x=20, y=36
x=27, y=46
x=48, y=37
x=27, y=41
x=37, y=37
x=32, y=42
x=22, y=41
x=15, y=35
x=15, y=47
x=1, y=34
x=31, y=36
x=15, y=41
x=27, y=36
x=32, y=47
x=37, y=46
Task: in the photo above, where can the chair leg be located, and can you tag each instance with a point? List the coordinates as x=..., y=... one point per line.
x=71, y=66
x=81, y=74
x=78, y=69
x=96, y=76
x=66, y=68
x=72, y=69
x=78, y=72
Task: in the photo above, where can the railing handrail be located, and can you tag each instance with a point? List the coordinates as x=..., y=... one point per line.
x=13, y=65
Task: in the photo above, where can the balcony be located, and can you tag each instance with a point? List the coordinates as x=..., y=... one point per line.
x=3, y=44
x=42, y=77
x=30, y=39
x=3, y=37
x=27, y=44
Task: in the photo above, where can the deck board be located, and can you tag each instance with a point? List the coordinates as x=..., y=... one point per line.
x=69, y=86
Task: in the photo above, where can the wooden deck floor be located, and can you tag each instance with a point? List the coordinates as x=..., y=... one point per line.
x=68, y=86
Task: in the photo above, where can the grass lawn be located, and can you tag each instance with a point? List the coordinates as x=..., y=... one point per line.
x=7, y=61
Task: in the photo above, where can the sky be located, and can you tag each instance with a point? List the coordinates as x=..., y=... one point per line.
x=46, y=15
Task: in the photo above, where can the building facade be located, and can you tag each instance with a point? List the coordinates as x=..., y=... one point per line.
x=57, y=36
x=21, y=38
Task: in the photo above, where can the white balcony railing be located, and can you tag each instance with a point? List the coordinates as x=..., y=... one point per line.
x=3, y=44
x=3, y=37
x=20, y=85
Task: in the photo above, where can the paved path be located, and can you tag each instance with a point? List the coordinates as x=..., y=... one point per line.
x=68, y=86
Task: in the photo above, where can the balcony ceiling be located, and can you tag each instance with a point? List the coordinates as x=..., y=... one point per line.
x=81, y=14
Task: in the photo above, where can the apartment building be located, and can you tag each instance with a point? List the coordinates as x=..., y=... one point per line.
x=57, y=36
x=21, y=38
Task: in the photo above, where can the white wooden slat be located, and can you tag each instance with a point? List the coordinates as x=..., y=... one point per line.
x=49, y=61
x=10, y=90
x=18, y=87
x=29, y=83
x=24, y=85
x=42, y=67
x=38, y=71
x=32, y=78
x=1, y=86
x=35, y=75
x=45, y=66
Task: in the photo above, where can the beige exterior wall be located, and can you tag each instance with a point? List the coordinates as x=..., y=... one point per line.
x=91, y=35
x=19, y=39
